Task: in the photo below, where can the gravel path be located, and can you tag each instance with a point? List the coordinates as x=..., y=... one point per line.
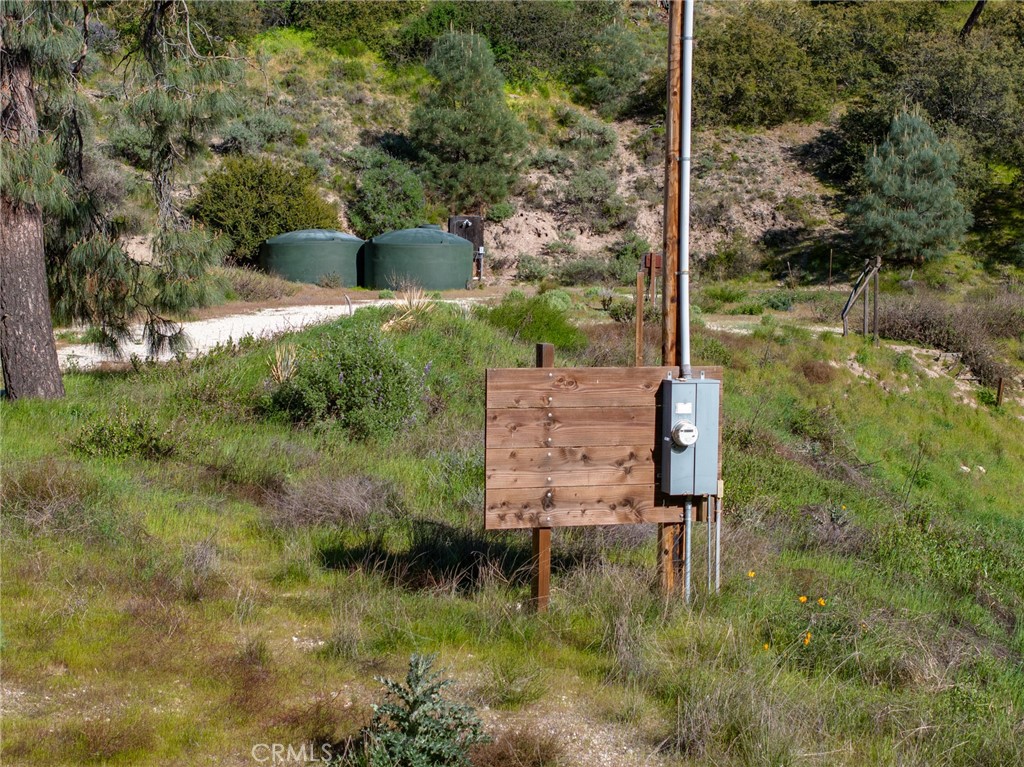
x=204, y=335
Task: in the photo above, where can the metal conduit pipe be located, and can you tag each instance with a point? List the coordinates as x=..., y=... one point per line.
x=684, y=192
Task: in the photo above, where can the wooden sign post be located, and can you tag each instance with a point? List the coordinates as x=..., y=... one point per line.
x=574, y=446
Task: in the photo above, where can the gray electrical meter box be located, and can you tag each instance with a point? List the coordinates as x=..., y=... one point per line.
x=690, y=436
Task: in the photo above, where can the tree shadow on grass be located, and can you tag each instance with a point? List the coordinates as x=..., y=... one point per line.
x=459, y=559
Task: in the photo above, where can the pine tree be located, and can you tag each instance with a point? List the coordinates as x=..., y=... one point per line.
x=468, y=140
x=909, y=211
x=175, y=86
x=39, y=41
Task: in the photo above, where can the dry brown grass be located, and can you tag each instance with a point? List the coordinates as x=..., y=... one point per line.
x=966, y=330
x=331, y=501
x=520, y=747
x=817, y=371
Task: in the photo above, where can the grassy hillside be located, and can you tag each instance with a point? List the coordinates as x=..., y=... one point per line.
x=188, y=572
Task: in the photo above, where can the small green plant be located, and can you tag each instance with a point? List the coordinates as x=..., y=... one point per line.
x=726, y=294
x=501, y=211
x=416, y=726
x=123, y=435
x=386, y=293
x=559, y=299
x=535, y=320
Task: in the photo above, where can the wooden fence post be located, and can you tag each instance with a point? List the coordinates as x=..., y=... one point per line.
x=540, y=593
x=639, y=357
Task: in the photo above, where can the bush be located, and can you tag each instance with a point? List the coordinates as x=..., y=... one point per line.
x=750, y=73
x=123, y=435
x=254, y=132
x=932, y=322
x=531, y=268
x=624, y=310
x=591, y=195
x=353, y=376
x=535, y=320
x=501, y=211
x=582, y=271
x=559, y=299
x=247, y=284
x=591, y=140
x=734, y=257
x=389, y=195
x=416, y=727
x=251, y=199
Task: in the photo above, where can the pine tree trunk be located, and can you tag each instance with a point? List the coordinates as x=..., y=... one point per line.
x=27, y=349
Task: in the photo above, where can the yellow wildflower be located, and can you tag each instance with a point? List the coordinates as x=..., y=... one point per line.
x=766, y=645
x=821, y=601
x=807, y=638
x=751, y=574
x=802, y=599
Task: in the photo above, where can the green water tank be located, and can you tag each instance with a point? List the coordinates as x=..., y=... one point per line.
x=314, y=255
x=425, y=256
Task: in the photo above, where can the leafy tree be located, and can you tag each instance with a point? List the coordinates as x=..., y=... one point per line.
x=470, y=143
x=749, y=73
x=250, y=199
x=618, y=66
x=909, y=210
x=389, y=195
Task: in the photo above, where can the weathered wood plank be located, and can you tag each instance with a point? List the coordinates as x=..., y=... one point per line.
x=568, y=506
x=570, y=427
x=544, y=467
x=574, y=387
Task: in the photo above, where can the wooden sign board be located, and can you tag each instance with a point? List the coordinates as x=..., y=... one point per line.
x=575, y=446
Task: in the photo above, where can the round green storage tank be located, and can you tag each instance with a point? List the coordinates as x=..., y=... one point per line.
x=315, y=256
x=425, y=256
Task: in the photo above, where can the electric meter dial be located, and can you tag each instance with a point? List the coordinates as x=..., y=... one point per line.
x=684, y=433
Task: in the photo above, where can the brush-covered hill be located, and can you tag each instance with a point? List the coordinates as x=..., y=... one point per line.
x=211, y=559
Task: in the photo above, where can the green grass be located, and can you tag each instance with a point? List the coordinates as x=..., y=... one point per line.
x=170, y=615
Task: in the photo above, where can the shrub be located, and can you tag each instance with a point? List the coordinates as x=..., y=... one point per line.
x=628, y=258
x=779, y=301
x=389, y=195
x=559, y=299
x=582, y=271
x=624, y=310
x=328, y=501
x=501, y=211
x=355, y=377
x=416, y=727
x=752, y=73
x=531, y=268
x=254, y=132
x=251, y=199
x=591, y=140
x=123, y=435
x=247, y=284
x=734, y=257
x=930, y=321
x=536, y=321
x=519, y=748
x=591, y=195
